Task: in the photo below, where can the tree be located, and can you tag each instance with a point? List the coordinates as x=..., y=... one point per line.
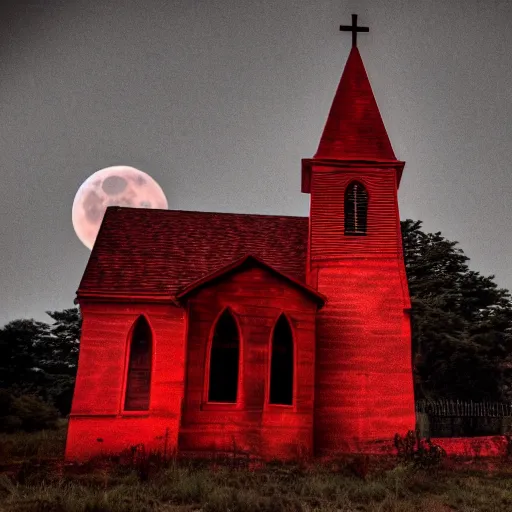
x=461, y=321
x=41, y=359
x=58, y=356
x=57, y=349
x=18, y=362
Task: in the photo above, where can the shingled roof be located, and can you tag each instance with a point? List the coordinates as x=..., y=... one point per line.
x=144, y=252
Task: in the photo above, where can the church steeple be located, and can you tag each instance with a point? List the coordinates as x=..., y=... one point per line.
x=354, y=129
x=355, y=259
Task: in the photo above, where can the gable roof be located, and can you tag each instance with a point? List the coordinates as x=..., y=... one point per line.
x=250, y=260
x=354, y=129
x=157, y=253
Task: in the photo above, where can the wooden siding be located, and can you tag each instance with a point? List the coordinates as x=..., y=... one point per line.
x=95, y=435
x=101, y=378
x=364, y=387
x=364, y=384
x=257, y=298
x=328, y=187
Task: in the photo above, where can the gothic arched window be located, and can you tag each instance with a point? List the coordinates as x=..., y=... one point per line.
x=139, y=367
x=356, y=209
x=281, y=364
x=224, y=360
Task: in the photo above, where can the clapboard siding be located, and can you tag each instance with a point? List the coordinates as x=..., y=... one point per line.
x=363, y=357
x=363, y=386
x=256, y=299
x=327, y=214
x=101, y=377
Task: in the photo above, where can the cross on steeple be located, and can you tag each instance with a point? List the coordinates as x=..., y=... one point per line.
x=354, y=29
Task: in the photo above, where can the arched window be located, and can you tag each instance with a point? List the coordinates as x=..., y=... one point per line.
x=281, y=364
x=356, y=208
x=224, y=360
x=139, y=368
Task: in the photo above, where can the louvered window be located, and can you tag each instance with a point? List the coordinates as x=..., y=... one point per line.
x=356, y=208
x=139, y=368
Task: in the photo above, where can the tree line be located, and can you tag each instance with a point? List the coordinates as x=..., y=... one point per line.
x=461, y=336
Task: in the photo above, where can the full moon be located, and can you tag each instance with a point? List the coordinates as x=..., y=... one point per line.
x=112, y=186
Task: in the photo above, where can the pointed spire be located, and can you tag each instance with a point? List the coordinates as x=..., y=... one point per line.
x=354, y=129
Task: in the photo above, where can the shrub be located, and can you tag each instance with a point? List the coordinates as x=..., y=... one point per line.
x=420, y=452
x=39, y=445
x=25, y=412
x=360, y=466
x=6, y=400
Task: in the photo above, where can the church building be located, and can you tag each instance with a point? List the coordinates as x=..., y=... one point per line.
x=281, y=336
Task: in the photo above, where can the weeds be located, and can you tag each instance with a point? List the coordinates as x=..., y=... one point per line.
x=422, y=453
x=360, y=466
x=143, y=480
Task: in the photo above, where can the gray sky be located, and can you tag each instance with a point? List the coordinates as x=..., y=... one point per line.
x=219, y=100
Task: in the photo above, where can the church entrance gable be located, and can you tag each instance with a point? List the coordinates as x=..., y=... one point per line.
x=250, y=365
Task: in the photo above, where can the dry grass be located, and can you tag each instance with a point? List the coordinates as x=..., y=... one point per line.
x=45, y=444
x=35, y=480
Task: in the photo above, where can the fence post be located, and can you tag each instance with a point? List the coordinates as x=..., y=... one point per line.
x=423, y=424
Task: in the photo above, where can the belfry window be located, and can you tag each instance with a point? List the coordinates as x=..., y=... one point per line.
x=224, y=360
x=356, y=208
x=281, y=364
x=139, y=368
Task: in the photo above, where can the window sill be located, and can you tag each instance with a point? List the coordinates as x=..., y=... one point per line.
x=279, y=408
x=129, y=414
x=220, y=406
x=92, y=415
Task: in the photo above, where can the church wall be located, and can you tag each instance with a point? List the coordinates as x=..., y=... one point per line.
x=97, y=408
x=256, y=298
x=364, y=384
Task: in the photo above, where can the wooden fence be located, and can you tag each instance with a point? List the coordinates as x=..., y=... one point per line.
x=455, y=418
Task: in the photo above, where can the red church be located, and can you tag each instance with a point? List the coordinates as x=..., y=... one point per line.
x=278, y=335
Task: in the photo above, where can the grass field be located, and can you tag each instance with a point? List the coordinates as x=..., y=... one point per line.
x=34, y=478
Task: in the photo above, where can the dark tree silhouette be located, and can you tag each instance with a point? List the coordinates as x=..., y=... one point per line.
x=461, y=322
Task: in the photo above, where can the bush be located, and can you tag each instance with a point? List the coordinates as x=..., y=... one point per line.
x=43, y=444
x=6, y=400
x=25, y=412
x=421, y=453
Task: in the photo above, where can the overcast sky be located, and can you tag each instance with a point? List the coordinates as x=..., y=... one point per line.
x=219, y=100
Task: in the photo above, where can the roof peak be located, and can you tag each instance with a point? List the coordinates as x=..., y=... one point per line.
x=250, y=259
x=354, y=129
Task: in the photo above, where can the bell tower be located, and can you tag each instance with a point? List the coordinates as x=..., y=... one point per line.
x=364, y=384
